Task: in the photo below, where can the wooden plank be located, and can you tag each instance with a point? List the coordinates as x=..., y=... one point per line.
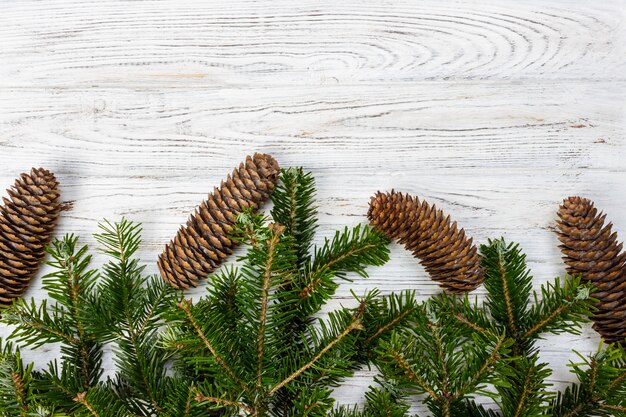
x=242, y=42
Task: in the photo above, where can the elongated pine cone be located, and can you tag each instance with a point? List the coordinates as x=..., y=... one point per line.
x=203, y=244
x=590, y=248
x=27, y=220
x=445, y=252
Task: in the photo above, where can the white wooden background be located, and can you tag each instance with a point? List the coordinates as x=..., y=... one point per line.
x=494, y=110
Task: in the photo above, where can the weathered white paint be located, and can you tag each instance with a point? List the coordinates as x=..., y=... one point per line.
x=493, y=110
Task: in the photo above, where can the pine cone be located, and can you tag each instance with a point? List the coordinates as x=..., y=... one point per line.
x=203, y=244
x=590, y=248
x=447, y=255
x=27, y=221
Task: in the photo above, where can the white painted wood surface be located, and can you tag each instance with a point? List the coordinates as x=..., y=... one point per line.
x=493, y=110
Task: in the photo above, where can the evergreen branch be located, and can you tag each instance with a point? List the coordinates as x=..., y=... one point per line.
x=545, y=321
x=621, y=379
x=470, y=315
x=162, y=295
x=601, y=386
x=223, y=402
x=294, y=207
x=98, y=401
x=35, y=326
x=525, y=393
x=386, y=313
x=20, y=390
x=355, y=325
x=184, y=305
x=129, y=307
x=71, y=267
x=411, y=374
x=15, y=381
x=348, y=251
x=562, y=308
x=81, y=398
x=267, y=274
x=463, y=320
x=507, y=298
x=508, y=283
x=489, y=362
x=441, y=356
x=389, y=325
x=613, y=407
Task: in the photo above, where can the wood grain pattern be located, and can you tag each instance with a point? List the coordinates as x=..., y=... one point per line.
x=493, y=110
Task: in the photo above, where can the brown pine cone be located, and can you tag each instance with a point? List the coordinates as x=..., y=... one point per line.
x=447, y=255
x=203, y=244
x=591, y=248
x=27, y=221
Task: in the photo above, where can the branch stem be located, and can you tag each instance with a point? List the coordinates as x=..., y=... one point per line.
x=353, y=326
x=184, y=305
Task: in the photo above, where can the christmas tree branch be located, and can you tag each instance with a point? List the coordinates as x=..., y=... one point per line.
x=314, y=278
x=294, y=207
x=276, y=230
x=526, y=391
x=354, y=325
x=348, y=251
x=35, y=329
x=20, y=391
x=223, y=402
x=184, y=305
x=465, y=321
x=489, y=362
x=73, y=283
x=537, y=328
x=613, y=407
x=511, y=325
x=411, y=374
x=15, y=380
x=601, y=387
x=562, y=308
x=389, y=325
x=124, y=299
x=508, y=283
x=81, y=398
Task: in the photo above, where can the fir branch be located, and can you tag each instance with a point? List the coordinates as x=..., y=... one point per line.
x=438, y=356
x=355, y=325
x=70, y=284
x=98, y=402
x=470, y=315
x=15, y=383
x=35, y=326
x=276, y=231
x=561, y=308
x=508, y=283
x=184, y=305
x=411, y=374
x=348, y=251
x=386, y=313
x=128, y=310
x=223, y=402
x=487, y=366
x=601, y=387
x=525, y=393
x=81, y=398
x=294, y=207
